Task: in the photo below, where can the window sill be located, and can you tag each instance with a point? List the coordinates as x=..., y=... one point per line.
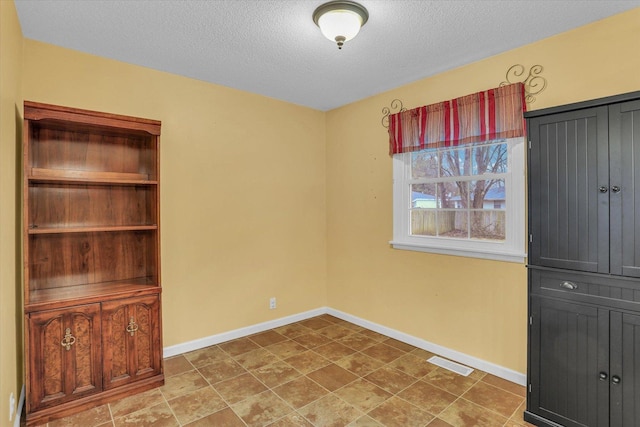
x=495, y=256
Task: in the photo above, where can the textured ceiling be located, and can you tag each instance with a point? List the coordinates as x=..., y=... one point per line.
x=273, y=48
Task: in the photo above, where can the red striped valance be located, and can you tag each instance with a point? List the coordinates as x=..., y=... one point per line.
x=483, y=116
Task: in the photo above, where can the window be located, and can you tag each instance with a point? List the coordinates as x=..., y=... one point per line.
x=465, y=200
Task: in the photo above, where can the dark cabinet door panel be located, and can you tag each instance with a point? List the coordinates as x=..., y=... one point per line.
x=568, y=182
x=565, y=373
x=625, y=188
x=625, y=369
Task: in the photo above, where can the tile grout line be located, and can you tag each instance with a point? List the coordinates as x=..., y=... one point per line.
x=226, y=402
x=513, y=394
x=461, y=396
x=490, y=409
x=305, y=376
x=113, y=420
x=167, y=400
x=386, y=364
x=251, y=372
x=296, y=410
x=334, y=362
x=170, y=408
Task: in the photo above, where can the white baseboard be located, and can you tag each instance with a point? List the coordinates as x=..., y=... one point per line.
x=16, y=421
x=456, y=356
x=239, y=333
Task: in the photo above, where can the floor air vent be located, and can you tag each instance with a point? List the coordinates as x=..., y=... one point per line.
x=452, y=366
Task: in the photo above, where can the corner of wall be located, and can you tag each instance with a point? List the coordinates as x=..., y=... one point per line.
x=11, y=327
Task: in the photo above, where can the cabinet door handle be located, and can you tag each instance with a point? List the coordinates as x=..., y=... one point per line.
x=615, y=379
x=603, y=376
x=603, y=189
x=132, y=326
x=68, y=339
x=569, y=285
x=615, y=189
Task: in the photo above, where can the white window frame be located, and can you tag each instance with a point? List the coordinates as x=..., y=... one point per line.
x=512, y=249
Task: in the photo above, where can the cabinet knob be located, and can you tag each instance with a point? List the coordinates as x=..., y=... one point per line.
x=68, y=339
x=132, y=326
x=615, y=379
x=569, y=285
x=603, y=189
x=615, y=189
x=603, y=376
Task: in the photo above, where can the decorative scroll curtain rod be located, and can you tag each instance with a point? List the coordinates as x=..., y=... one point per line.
x=396, y=107
x=534, y=84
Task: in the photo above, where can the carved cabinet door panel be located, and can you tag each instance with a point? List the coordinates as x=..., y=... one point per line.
x=131, y=340
x=64, y=355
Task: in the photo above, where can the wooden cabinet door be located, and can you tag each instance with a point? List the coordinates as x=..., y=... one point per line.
x=569, y=349
x=569, y=190
x=624, y=125
x=64, y=357
x=624, y=380
x=131, y=340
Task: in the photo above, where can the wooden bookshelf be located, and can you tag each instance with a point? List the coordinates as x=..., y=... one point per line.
x=91, y=258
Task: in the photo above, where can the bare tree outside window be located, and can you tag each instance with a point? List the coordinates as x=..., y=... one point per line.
x=460, y=192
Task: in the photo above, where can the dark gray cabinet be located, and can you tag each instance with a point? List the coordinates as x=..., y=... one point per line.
x=584, y=264
x=584, y=183
x=585, y=372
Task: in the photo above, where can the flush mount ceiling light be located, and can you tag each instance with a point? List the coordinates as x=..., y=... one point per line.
x=340, y=21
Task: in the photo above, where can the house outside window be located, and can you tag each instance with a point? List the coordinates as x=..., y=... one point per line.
x=464, y=200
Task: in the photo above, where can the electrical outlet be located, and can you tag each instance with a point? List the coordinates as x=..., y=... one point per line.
x=12, y=405
x=272, y=303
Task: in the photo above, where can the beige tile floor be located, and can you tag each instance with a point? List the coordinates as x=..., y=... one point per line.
x=319, y=372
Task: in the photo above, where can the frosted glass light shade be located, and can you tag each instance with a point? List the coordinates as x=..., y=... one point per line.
x=340, y=21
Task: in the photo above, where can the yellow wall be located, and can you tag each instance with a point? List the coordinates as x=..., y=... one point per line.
x=242, y=188
x=10, y=128
x=474, y=306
